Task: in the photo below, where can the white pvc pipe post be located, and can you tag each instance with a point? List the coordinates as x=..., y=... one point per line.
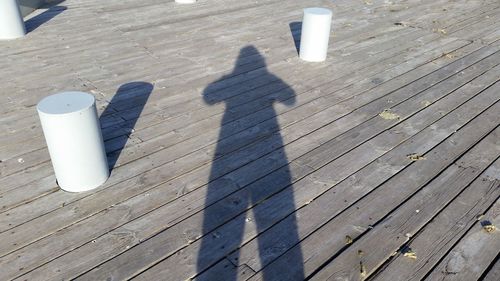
x=315, y=34
x=185, y=1
x=11, y=20
x=74, y=139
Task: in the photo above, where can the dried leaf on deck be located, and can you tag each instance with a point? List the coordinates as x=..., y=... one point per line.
x=439, y=30
x=388, y=115
x=488, y=226
x=410, y=254
x=415, y=157
x=426, y=103
x=348, y=239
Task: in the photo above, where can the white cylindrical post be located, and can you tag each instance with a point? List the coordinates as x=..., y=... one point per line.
x=11, y=20
x=74, y=139
x=185, y=1
x=315, y=34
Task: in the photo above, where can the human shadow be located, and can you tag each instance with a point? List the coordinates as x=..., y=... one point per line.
x=230, y=211
x=52, y=11
x=295, y=30
x=126, y=105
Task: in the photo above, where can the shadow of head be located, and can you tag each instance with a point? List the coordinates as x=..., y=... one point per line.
x=245, y=89
x=52, y=11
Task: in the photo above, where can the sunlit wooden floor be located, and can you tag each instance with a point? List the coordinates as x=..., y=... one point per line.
x=232, y=159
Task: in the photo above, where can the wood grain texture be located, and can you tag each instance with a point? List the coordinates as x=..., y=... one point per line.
x=214, y=128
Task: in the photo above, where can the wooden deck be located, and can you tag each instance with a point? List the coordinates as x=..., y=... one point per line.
x=234, y=160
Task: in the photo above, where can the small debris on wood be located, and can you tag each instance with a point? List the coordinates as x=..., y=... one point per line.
x=480, y=217
x=362, y=269
x=360, y=253
x=401, y=24
x=409, y=253
x=20, y=160
x=439, y=30
x=348, y=239
x=368, y=2
x=415, y=157
x=449, y=56
x=488, y=226
x=426, y=103
x=388, y=115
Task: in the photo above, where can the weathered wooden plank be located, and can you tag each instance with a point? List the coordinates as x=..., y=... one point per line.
x=450, y=84
x=221, y=214
x=183, y=117
x=409, y=128
x=155, y=196
x=25, y=213
x=272, y=210
x=163, y=157
x=40, y=140
x=392, y=233
x=439, y=236
x=149, y=41
x=474, y=252
x=247, y=252
x=225, y=270
x=172, y=106
x=319, y=247
x=494, y=273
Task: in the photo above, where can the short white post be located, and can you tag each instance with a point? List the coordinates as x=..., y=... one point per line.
x=11, y=20
x=185, y=1
x=74, y=139
x=315, y=34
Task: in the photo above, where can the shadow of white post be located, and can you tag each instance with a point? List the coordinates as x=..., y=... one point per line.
x=315, y=34
x=74, y=139
x=11, y=20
